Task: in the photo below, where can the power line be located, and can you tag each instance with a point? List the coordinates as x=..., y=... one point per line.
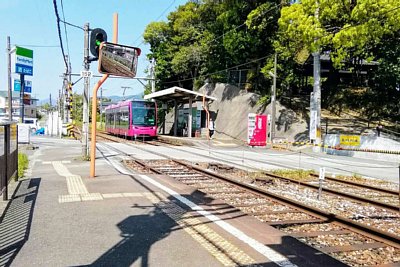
x=59, y=32
x=65, y=29
x=205, y=75
x=155, y=20
x=72, y=25
x=38, y=46
x=237, y=27
x=244, y=23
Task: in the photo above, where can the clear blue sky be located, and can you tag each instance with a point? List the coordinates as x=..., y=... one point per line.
x=32, y=23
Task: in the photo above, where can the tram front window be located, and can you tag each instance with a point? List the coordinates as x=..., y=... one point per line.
x=143, y=114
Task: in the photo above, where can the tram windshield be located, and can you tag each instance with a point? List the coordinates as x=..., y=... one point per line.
x=143, y=113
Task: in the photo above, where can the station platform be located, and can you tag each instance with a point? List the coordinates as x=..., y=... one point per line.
x=58, y=216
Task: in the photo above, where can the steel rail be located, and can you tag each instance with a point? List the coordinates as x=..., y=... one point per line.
x=383, y=190
x=362, y=229
x=372, y=232
x=331, y=191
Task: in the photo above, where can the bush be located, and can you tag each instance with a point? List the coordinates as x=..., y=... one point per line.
x=22, y=164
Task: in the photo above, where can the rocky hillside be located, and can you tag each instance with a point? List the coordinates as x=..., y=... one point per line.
x=232, y=107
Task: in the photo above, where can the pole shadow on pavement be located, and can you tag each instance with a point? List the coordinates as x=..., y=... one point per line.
x=15, y=224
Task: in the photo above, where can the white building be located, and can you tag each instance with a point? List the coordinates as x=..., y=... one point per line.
x=30, y=110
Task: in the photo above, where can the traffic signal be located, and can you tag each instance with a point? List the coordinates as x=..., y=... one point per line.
x=97, y=36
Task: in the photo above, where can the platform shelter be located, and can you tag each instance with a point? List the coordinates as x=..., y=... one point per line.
x=180, y=96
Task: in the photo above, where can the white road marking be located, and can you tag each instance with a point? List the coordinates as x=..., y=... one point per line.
x=274, y=256
x=269, y=253
x=51, y=162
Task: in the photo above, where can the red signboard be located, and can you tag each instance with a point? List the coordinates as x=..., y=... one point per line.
x=257, y=130
x=27, y=99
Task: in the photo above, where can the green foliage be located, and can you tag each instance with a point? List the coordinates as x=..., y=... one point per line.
x=264, y=100
x=22, y=164
x=208, y=39
x=345, y=28
x=46, y=106
x=77, y=108
x=202, y=40
x=352, y=33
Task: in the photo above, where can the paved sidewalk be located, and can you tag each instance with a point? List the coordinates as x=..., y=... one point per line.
x=60, y=217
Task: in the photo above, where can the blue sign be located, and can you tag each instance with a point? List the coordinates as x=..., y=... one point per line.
x=23, y=61
x=22, y=69
x=27, y=89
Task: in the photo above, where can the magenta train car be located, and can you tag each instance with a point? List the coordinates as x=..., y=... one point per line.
x=132, y=118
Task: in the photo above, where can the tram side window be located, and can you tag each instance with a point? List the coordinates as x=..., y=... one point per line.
x=108, y=117
x=125, y=117
x=118, y=119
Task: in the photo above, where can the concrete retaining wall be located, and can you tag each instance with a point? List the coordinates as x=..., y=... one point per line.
x=367, y=142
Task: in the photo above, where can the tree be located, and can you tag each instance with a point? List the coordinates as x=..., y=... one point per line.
x=347, y=29
x=205, y=39
x=352, y=33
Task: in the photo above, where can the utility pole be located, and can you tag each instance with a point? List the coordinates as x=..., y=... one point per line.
x=69, y=91
x=51, y=114
x=9, y=79
x=125, y=87
x=153, y=75
x=65, y=93
x=273, y=100
x=316, y=99
x=85, y=119
x=59, y=109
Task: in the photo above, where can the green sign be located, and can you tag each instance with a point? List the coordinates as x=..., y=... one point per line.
x=23, y=61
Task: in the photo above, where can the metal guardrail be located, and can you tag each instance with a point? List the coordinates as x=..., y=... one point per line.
x=8, y=155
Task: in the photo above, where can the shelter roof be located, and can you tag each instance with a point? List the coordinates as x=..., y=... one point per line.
x=177, y=93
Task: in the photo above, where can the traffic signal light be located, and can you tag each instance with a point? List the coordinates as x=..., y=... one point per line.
x=97, y=36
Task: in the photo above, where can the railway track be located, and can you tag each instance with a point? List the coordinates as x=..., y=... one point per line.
x=316, y=227
x=380, y=197
x=242, y=157
x=363, y=193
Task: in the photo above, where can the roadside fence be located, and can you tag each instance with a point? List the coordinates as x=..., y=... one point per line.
x=8, y=155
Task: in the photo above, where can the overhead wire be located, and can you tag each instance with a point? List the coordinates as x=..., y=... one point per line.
x=59, y=32
x=208, y=74
x=72, y=25
x=244, y=23
x=233, y=67
x=37, y=46
x=162, y=14
x=65, y=29
x=204, y=75
x=155, y=20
